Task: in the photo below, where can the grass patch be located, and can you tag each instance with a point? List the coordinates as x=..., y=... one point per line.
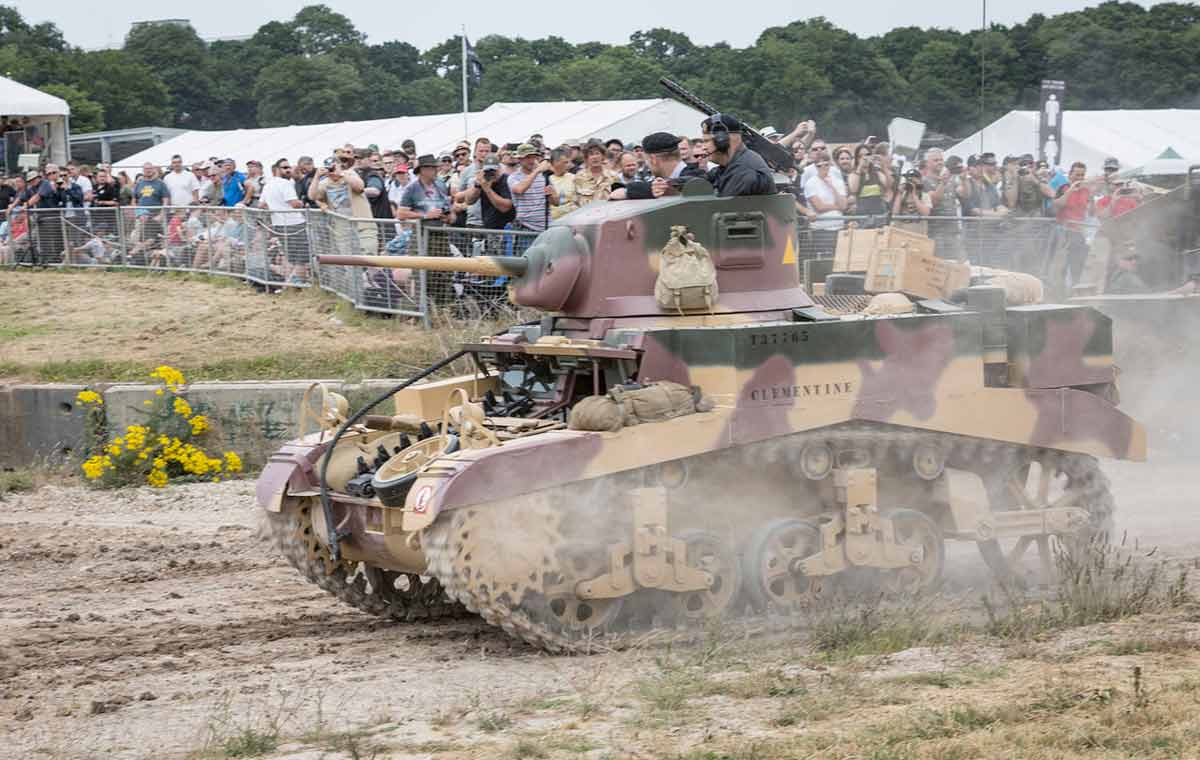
x=16, y=481
x=1149, y=644
x=949, y=679
x=492, y=722
x=13, y=332
x=1098, y=583
x=844, y=629
x=528, y=748
x=249, y=742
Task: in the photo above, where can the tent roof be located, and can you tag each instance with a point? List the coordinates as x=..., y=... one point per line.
x=17, y=99
x=627, y=120
x=1133, y=137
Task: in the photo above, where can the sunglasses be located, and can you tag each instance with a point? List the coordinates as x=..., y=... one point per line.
x=285, y=167
x=1110, y=169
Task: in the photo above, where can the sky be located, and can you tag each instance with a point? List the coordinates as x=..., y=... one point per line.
x=88, y=25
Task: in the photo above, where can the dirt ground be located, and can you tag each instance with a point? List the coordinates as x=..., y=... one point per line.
x=115, y=323
x=158, y=624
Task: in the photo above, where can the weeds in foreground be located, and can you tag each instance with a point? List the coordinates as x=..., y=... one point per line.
x=1098, y=583
x=856, y=625
x=16, y=481
x=252, y=733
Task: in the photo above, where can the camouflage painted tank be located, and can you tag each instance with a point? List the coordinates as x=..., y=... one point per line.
x=815, y=444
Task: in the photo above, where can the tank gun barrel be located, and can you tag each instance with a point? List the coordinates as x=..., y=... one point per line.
x=498, y=266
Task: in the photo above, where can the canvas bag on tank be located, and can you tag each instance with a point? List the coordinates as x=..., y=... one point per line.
x=687, y=278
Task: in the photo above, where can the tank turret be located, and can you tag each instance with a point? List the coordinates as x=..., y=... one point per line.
x=602, y=261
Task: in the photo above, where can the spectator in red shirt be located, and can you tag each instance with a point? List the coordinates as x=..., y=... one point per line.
x=1121, y=197
x=1071, y=248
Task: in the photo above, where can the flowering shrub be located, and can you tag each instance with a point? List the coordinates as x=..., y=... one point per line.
x=162, y=449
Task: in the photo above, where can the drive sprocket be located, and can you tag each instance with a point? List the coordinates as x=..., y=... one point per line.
x=380, y=592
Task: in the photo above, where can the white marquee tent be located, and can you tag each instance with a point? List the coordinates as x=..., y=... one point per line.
x=1133, y=137
x=628, y=120
x=44, y=118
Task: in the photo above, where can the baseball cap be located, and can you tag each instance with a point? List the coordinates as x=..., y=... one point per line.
x=526, y=149
x=32, y=174
x=973, y=159
x=1112, y=163
x=400, y=169
x=491, y=161
x=987, y=159
x=953, y=161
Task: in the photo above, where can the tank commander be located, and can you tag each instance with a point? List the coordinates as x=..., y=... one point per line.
x=739, y=170
x=667, y=166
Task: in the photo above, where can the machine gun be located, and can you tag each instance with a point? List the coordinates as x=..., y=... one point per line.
x=778, y=157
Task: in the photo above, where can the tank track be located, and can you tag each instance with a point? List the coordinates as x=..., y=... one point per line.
x=374, y=591
x=982, y=456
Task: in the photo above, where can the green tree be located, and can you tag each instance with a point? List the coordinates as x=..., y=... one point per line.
x=86, y=114
x=299, y=90
x=181, y=58
x=320, y=30
x=132, y=93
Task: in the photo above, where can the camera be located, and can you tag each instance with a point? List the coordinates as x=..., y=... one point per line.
x=330, y=162
x=490, y=174
x=1023, y=171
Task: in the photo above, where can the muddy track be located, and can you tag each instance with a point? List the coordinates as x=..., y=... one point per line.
x=132, y=621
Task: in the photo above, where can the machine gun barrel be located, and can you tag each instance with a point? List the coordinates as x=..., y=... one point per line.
x=498, y=266
x=777, y=156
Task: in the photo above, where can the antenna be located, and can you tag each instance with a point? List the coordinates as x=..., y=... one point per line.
x=982, y=74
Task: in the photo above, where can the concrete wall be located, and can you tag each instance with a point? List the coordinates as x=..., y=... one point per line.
x=42, y=422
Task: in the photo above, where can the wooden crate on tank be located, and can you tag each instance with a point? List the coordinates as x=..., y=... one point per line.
x=855, y=245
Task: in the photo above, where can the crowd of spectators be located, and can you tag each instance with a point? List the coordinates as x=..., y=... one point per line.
x=981, y=208
x=195, y=215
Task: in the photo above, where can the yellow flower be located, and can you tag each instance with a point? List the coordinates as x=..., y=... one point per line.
x=157, y=478
x=157, y=392
x=95, y=466
x=183, y=408
x=169, y=376
x=89, y=397
x=113, y=449
x=199, y=424
x=233, y=463
x=147, y=402
x=160, y=463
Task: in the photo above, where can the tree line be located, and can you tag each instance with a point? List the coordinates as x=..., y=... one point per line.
x=318, y=67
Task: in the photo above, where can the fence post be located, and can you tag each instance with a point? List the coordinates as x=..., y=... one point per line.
x=422, y=289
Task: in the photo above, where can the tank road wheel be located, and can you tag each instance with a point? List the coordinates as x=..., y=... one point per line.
x=770, y=564
x=579, y=562
x=384, y=593
x=1043, y=480
x=708, y=551
x=915, y=529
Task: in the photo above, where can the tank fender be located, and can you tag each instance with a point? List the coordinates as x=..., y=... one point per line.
x=292, y=469
x=472, y=476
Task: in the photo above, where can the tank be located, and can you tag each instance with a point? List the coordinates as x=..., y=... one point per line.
x=622, y=466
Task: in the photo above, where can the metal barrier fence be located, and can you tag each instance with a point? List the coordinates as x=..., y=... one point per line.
x=276, y=250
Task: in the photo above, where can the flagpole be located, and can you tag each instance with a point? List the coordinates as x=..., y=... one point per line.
x=466, y=129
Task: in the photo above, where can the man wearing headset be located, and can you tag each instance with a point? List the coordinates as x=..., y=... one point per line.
x=739, y=170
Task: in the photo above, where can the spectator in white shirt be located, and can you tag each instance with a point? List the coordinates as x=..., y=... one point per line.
x=826, y=194
x=182, y=185
x=287, y=222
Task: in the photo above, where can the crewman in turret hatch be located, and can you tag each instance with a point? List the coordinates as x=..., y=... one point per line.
x=739, y=171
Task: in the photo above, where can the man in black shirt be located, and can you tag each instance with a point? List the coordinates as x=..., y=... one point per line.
x=739, y=171
x=494, y=195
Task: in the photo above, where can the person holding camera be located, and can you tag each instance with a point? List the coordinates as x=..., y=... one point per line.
x=870, y=182
x=491, y=190
x=826, y=195
x=338, y=188
x=911, y=202
x=1025, y=191
x=940, y=182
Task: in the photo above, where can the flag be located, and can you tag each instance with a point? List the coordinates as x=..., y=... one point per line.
x=474, y=65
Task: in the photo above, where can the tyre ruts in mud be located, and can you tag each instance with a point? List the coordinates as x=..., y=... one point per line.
x=500, y=559
x=384, y=593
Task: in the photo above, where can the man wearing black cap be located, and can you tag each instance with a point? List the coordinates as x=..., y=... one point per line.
x=739, y=171
x=667, y=166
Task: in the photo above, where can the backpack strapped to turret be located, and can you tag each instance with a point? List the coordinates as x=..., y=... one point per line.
x=687, y=278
